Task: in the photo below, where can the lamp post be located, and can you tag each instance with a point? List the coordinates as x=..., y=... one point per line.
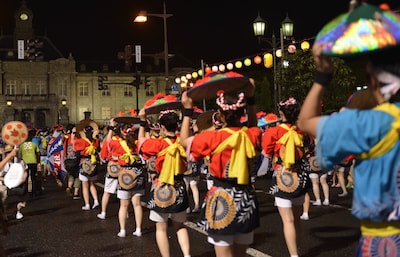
x=142, y=17
x=286, y=30
x=63, y=113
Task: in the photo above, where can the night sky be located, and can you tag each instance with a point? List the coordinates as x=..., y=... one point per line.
x=213, y=31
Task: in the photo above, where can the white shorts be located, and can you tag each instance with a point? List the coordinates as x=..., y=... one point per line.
x=317, y=175
x=110, y=185
x=191, y=180
x=288, y=203
x=128, y=194
x=84, y=178
x=227, y=240
x=163, y=217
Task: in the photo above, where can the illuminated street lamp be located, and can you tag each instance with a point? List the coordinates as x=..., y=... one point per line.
x=142, y=17
x=63, y=115
x=63, y=102
x=285, y=31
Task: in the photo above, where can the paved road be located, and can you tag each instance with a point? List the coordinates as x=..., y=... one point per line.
x=55, y=225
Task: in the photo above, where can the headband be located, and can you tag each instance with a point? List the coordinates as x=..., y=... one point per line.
x=289, y=101
x=224, y=106
x=162, y=113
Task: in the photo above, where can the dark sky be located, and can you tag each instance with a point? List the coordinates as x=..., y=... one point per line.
x=213, y=31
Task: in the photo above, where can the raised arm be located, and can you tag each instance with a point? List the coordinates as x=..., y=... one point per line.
x=142, y=128
x=185, y=127
x=310, y=112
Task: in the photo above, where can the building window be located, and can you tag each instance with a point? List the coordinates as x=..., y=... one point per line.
x=150, y=91
x=105, y=112
x=41, y=87
x=62, y=85
x=11, y=87
x=105, y=92
x=26, y=87
x=83, y=89
x=128, y=91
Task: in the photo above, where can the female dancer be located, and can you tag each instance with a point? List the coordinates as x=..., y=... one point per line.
x=86, y=147
x=131, y=181
x=285, y=143
x=169, y=197
x=229, y=212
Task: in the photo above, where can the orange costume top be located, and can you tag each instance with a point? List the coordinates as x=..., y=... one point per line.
x=269, y=142
x=82, y=146
x=205, y=143
x=118, y=151
x=153, y=146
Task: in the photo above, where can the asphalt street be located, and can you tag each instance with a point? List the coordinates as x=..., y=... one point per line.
x=55, y=225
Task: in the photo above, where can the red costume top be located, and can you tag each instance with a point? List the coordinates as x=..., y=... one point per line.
x=152, y=146
x=269, y=142
x=206, y=142
x=81, y=145
x=115, y=150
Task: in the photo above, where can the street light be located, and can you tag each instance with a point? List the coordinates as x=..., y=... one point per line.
x=63, y=113
x=142, y=17
x=63, y=102
x=285, y=31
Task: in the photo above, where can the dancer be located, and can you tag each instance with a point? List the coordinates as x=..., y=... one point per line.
x=231, y=150
x=370, y=134
x=169, y=178
x=131, y=176
x=86, y=146
x=286, y=144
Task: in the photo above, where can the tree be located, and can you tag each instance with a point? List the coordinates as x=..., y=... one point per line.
x=298, y=78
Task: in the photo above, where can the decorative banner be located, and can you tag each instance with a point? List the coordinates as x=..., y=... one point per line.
x=55, y=156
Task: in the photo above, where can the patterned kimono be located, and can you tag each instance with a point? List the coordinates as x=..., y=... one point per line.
x=230, y=205
x=168, y=192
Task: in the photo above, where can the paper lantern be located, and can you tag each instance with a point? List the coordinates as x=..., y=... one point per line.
x=268, y=60
x=257, y=59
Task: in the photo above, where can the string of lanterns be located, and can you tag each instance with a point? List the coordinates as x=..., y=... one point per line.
x=265, y=58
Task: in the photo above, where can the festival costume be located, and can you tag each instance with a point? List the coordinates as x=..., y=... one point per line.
x=230, y=205
x=88, y=157
x=69, y=153
x=287, y=139
x=375, y=196
x=128, y=161
x=168, y=192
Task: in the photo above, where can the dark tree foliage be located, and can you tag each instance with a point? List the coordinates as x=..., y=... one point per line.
x=297, y=78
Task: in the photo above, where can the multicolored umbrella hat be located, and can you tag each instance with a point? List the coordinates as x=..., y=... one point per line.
x=208, y=86
x=364, y=28
x=161, y=102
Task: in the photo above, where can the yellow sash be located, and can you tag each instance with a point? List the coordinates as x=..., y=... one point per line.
x=172, y=162
x=390, y=139
x=91, y=150
x=380, y=229
x=242, y=148
x=290, y=140
x=128, y=157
